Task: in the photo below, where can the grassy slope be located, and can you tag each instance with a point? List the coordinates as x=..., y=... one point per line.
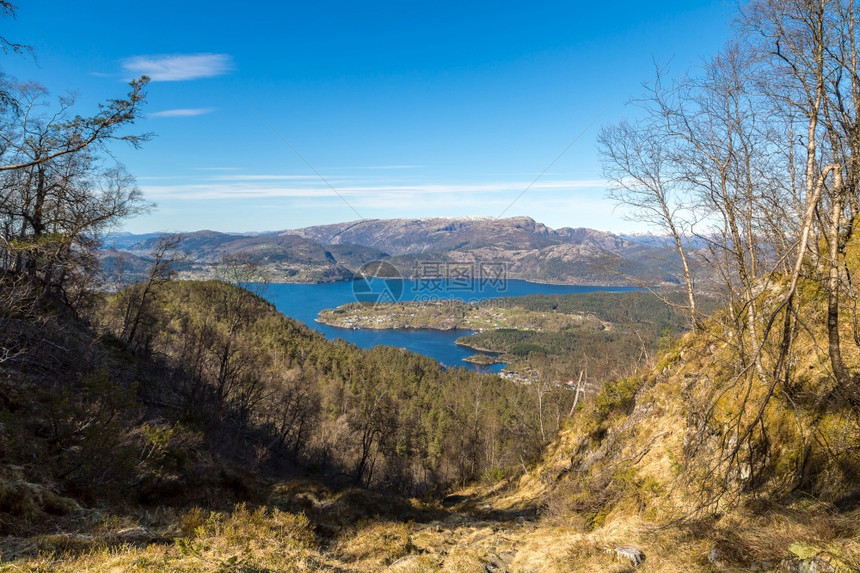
x=620, y=473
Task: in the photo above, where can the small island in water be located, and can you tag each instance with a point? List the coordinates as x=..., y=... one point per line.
x=561, y=332
x=484, y=359
x=506, y=315
x=455, y=315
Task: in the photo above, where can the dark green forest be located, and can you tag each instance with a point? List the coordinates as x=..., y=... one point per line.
x=382, y=417
x=636, y=324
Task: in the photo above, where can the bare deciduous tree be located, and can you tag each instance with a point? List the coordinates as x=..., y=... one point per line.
x=756, y=155
x=638, y=162
x=137, y=299
x=59, y=190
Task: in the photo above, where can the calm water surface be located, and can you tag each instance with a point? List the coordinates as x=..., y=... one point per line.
x=303, y=302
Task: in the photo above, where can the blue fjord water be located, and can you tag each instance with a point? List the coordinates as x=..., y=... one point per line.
x=303, y=302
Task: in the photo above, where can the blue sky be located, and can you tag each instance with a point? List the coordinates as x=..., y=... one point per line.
x=406, y=109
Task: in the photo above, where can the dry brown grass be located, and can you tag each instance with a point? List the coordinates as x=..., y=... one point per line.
x=255, y=540
x=375, y=544
x=197, y=540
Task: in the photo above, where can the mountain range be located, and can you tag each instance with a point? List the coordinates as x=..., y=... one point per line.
x=527, y=249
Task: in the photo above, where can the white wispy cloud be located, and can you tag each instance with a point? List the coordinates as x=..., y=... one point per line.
x=249, y=177
x=251, y=186
x=183, y=112
x=385, y=167
x=178, y=67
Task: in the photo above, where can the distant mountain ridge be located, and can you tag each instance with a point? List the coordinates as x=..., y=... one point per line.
x=530, y=250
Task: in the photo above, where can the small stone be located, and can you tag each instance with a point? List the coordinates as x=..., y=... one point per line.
x=723, y=555
x=507, y=556
x=133, y=532
x=402, y=562
x=495, y=564
x=629, y=553
x=811, y=565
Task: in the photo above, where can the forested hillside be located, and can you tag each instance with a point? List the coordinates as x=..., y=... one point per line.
x=383, y=417
x=211, y=369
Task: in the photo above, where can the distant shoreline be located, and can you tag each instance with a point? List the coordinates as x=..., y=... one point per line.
x=532, y=281
x=466, y=331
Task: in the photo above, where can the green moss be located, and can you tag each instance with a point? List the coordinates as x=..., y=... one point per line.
x=803, y=551
x=616, y=395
